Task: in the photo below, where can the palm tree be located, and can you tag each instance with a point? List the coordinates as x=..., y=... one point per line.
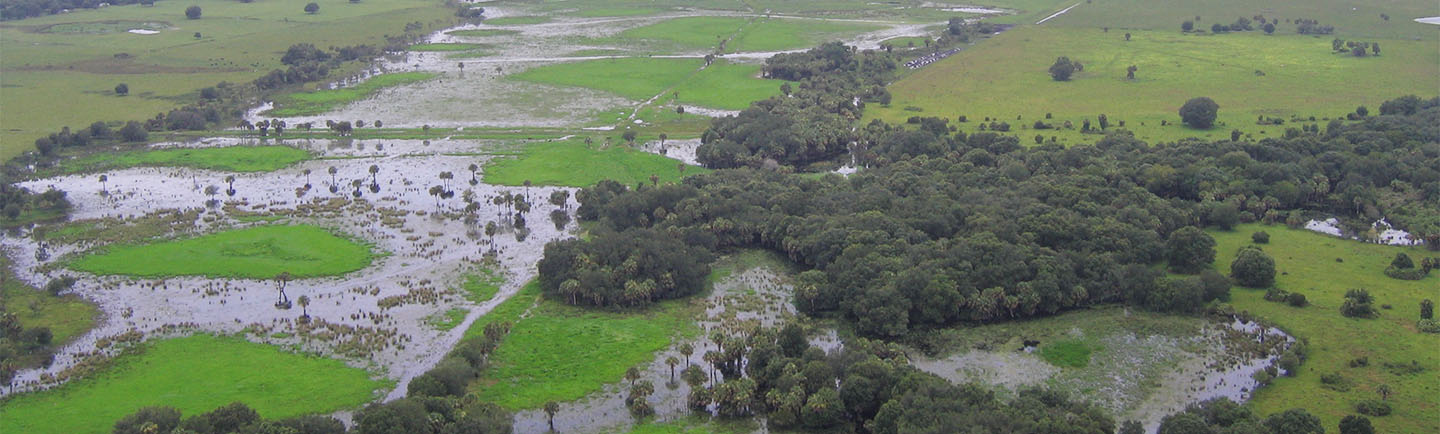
x=307, y=178
x=632, y=374
x=211, y=190
x=230, y=179
x=304, y=303
x=446, y=177
x=473, y=168
x=550, y=409
x=654, y=180
x=436, y=191
x=527, y=190
x=687, y=350
x=103, y=180
x=357, y=183
x=332, y=171
x=374, y=170
x=672, y=361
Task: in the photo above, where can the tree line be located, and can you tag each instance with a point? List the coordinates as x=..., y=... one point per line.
x=947, y=228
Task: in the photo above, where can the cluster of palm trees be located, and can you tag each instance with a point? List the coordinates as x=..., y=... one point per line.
x=265, y=126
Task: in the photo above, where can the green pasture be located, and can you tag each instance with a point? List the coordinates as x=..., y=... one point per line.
x=561, y=352
x=572, y=163
x=260, y=252
x=322, y=101
x=66, y=316
x=1322, y=268
x=227, y=159
x=722, y=85
x=1248, y=75
x=74, y=58
x=481, y=286
x=1352, y=20
x=194, y=374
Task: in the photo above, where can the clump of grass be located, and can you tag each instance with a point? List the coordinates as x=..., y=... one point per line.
x=482, y=286
x=1067, y=354
x=574, y=164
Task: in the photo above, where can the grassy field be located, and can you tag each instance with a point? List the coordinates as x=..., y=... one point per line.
x=1311, y=263
x=259, y=252
x=321, y=101
x=66, y=317
x=193, y=374
x=1352, y=20
x=561, y=353
x=572, y=163
x=239, y=42
x=1005, y=78
x=481, y=286
x=228, y=159
x=723, y=85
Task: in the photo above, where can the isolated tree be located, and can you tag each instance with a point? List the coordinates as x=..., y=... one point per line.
x=230, y=179
x=374, y=170
x=192, y=12
x=103, y=180
x=1294, y=421
x=551, y=407
x=473, y=168
x=629, y=136
x=1130, y=72
x=332, y=170
x=307, y=177
x=1189, y=250
x=1427, y=309
x=1269, y=28
x=1358, y=304
x=1402, y=261
x=1199, y=112
x=312, y=8
x=1354, y=424
x=122, y=89
x=1127, y=36
x=1187, y=26
x=1104, y=121
x=1260, y=237
x=282, y=280
x=1253, y=268
x=672, y=361
x=1062, y=69
x=304, y=302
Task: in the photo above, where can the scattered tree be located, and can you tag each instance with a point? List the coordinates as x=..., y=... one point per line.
x=192, y=12
x=1199, y=112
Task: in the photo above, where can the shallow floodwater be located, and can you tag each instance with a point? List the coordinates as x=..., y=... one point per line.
x=1381, y=232
x=480, y=93
x=1215, y=363
x=425, y=248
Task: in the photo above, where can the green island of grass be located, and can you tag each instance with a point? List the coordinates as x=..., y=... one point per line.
x=321, y=101
x=227, y=159
x=482, y=32
x=194, y=374
x=259, y=252
x=572, y=163
x=482, y=285
x=1322, y=268
x=517, y=21
x=722, y=85
x=561, y=353
x=1067, y=354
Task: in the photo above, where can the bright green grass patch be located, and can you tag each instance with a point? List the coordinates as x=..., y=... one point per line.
x=688, y=32
x=104, y=27
x=447, y=46
x=509, y=310
x=572, y=163
x=321, y=101
x=722, y=85
x=786, y=34
x=253, y=253
x=1306, y=262
x=227, y=159
x=516, y=21
x=66, y=317
x=482, y=286
x=482, y=32
x=1067, y=354
x=634, y=78
x=561, y=353
x=1006, y=77
x=614, y=12
x=447, y=320
x=693, y=425
x=907, y=42
x=193, y=374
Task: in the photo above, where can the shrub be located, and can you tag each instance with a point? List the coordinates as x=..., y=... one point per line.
x=1360, y=362
x=1260, y=237
x=1199, y=112
x=1253, y=268
x=1371, y=407
x=1335, y=381
x=1428, y=326
x=1297, y=299
x=1358, y=304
